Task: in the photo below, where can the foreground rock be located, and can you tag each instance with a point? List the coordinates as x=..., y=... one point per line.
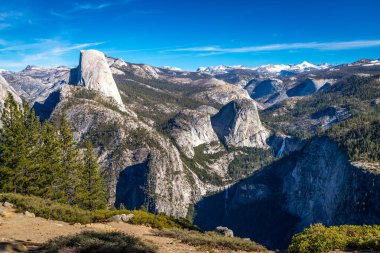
x=122, y=218
x=224, y=231
x=7, y=204
x=29, y=214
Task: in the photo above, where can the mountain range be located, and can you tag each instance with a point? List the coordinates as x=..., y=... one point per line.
x=266, y=151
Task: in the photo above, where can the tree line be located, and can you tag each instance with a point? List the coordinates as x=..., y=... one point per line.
x=42, y=159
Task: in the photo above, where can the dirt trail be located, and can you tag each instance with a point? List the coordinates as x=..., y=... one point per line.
x=19, y=227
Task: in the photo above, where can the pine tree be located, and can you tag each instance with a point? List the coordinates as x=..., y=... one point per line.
x=13, y=147
x=32, y=128
x=49, y=170
x=91, y=190
x=71, y=163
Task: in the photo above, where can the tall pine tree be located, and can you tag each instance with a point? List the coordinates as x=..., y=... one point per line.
x=50, y=171
x=13, y=147
x=91, y=190
x=32, y=128
x=71, y=163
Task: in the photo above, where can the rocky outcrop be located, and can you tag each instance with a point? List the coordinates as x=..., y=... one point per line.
x=94, y=73
x=264, y=88
x=238, y=124
x=219, y=91
x=314, y=185
x=309, y=86
x=191, y=128
x=5, y=90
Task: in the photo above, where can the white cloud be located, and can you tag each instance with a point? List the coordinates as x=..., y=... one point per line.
x=345, y=45
x=88, y=6
x=82, y=7
x=43, y=52
x=10, y=15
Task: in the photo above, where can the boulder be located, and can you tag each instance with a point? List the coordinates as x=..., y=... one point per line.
x=7, y=204
x=224, y=231
x=127, y=217
x=121, y=218
x=29, y=214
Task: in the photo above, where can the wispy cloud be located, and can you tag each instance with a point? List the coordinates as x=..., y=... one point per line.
x=324, y=46
x=82, y=7
x=42, y=52
x=9, y=15
x=88, y=6
x=6, y=18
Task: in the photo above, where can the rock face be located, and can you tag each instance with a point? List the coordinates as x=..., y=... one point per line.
x=5, y=89
x=238, y=124
x=192, y=128
x=315, y=185
x=263, y=88
x=34, y=84
x=219, y=91
x=309, y=86
x=94, y=73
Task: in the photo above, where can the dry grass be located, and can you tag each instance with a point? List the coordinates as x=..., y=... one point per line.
x=211, y=240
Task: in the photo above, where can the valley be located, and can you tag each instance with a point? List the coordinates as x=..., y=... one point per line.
x=264, y=151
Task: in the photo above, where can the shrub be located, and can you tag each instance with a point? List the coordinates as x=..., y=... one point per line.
x=318, y=238
x=104, y=242
x=210, y=240
x=53, y=210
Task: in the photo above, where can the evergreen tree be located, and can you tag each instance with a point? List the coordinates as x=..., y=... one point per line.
x=32, y=128
x=71, y=163
x=13, y=147
x=50, y=171
x=91, y=191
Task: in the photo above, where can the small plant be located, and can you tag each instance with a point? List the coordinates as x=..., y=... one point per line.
x=98, y=242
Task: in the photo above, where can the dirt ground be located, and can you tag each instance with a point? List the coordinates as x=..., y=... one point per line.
x=18, y=227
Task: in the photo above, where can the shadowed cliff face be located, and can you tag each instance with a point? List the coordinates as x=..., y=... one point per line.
x=45, y=109
x=130, y=186
x=314, y=185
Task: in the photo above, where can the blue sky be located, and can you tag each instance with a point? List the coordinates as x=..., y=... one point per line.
x=189, y=34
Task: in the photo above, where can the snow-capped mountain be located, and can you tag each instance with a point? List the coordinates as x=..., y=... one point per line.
x=270, y=68
x=220, y=69
x=172, y=68
x=367, y=62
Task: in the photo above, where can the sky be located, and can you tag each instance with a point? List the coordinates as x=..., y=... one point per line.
x=189, y=33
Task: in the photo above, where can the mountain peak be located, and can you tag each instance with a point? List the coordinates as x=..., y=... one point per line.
x=94, y=73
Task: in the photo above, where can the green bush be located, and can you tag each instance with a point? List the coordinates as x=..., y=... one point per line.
x=318, y=238
x=53, y=210
x=98, y=242
x=211, y=240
